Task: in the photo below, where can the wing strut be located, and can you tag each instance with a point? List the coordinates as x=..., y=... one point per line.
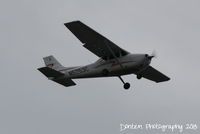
x=126, y=84
x=113, y=54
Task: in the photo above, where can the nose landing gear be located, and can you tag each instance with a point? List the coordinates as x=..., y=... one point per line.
x=126, y=85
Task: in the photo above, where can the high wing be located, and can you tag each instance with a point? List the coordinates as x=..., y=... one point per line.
x=154, y=75
x=95, y=42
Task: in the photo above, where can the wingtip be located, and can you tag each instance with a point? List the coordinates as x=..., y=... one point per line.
x=39, y=69
x=75, y=21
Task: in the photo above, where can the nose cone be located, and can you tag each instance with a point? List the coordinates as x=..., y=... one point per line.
x=148, y=59
x=149, y=56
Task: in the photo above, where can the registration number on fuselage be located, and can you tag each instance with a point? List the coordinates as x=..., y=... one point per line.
x=78, y=71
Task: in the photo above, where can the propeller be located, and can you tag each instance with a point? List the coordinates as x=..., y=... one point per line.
x=153, y=55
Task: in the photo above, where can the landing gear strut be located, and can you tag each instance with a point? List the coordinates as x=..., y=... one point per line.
x=126, y=85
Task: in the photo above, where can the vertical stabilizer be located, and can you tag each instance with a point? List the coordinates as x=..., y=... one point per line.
x=51, y=62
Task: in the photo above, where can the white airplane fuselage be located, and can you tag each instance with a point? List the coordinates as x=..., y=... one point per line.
x=129, y=64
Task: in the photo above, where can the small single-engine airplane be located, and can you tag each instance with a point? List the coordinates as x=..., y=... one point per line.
x=113, y=60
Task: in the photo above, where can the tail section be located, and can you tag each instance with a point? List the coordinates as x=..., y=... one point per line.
x=56, y=76
x=51, y=62
x=51, y=71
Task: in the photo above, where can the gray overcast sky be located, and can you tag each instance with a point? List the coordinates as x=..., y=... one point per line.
x=32, y=29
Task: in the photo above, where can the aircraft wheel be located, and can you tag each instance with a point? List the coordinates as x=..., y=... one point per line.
x=126, y=86
x=139, y=76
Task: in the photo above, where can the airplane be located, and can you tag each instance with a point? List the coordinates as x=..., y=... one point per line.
x=113, y=61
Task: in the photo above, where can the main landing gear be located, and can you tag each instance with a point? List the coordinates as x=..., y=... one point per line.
x=126, y=85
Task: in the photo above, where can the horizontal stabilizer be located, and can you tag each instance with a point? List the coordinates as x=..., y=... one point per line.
x=49, y=72
x=65, y=82
x=56, y=76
